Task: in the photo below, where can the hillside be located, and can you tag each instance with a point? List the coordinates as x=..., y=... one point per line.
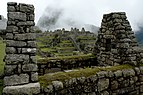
x=139, y=36
x=65, y=43
x=53, y=19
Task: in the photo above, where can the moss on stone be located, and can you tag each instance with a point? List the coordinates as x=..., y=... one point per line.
x=75, y=57
x=62, y=76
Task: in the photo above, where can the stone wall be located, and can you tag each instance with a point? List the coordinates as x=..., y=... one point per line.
x=116, y=42
x=21, y=77
x=51, y=66
x=119, y=82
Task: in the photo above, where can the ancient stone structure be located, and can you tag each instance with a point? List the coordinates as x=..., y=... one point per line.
x=119, y=82
x=116, y=42
x=21, y=77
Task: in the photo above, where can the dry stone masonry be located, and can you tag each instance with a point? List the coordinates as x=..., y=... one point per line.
x=119, y=82
x=21, y=77
x=116, y=42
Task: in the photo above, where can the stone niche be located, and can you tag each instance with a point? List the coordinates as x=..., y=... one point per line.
x=116, y=43
x=21, y=77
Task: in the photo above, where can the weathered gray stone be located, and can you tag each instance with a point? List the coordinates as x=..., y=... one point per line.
x=57, y=85
x=9, y=36
x=16, y=59
x=31, y=43
x=12, y=43
x=118, y=73
x=34, y=77
x=33, y=59
x=26, y=8
x=48, y=89
x=29, y=67
x=11, y=9
x=10, y=69
x=11, y=29
x=26, y=23
x=114, y=85
x=102, y=84
x=28, y=89
x=128, y=72
x=16, y=16
x=10, y=50
x=26, y=36
x=28, y=50
x=11, y=3
x=15, y=79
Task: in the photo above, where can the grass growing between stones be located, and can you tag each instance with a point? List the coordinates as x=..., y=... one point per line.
x=62, y=76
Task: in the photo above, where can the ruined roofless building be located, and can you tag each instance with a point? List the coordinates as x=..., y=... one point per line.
x=116, y=42
x=21, y=77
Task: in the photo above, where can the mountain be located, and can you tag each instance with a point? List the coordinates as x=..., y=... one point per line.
x=139, y=36
x=3, y=22
x=54, y=18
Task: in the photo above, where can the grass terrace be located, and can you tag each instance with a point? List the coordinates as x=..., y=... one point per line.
x=62, y=76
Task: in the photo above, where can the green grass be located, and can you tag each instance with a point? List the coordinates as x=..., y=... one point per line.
x=2, y=54
x=75, y=57
x=62, y=76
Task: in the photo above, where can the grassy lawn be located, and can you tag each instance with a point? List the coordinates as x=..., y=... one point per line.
x=2, y=53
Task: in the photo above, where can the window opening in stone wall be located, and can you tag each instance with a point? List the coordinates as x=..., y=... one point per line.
x=0, y=17
x=108, y=45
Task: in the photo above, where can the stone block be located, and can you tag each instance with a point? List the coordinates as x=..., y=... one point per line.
x=10, y=23
x=114, y=85
x=12, y=43
x=29, y=67
x=11, y=9
x=31, y=44
x=31, y=17
x=26, y=23
x=10, y=69
x=11, y=3
x=28, y=50
x=58, y=85
x=34, y=77
x=33, y=59
x=9, y=36
x=16, y=79
x=102, y=84
x=26, y=8
x=128, y=72
x=10, y=50
x=10, y=29
x=49, y=89
x=26, y=36
x=27, y=89
x=12, y=16
x=118, y=73
x=16, y=59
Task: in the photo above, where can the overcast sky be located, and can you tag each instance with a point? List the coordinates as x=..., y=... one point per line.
x=87, y=11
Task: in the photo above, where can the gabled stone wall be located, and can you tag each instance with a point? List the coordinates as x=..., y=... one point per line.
x=116, y=42
x=21, y=77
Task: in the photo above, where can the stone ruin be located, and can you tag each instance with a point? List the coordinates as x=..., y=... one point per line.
x=21, y=77
x=116, y=42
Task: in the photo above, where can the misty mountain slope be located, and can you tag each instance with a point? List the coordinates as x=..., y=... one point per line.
x=3, y=23
x=139, y=36
x=54, y=18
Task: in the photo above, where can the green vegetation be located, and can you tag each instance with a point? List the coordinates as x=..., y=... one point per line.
x=2, y=54
x=62, y=76
x=75, y=57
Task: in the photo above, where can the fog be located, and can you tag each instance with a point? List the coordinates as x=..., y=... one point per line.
x=85, y=11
